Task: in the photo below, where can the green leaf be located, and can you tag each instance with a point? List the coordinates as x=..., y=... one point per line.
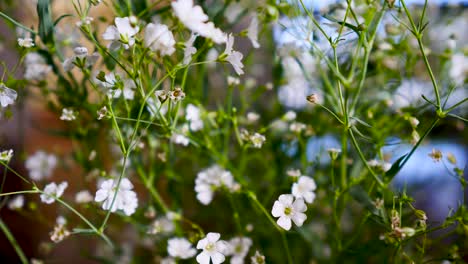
x=46, y=25
x=396, y=167
x=361, y=196
x=61, y=17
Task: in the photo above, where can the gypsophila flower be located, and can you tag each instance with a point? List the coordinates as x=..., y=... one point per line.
x=290, y=116
x=209, y=180
x=6, y=155
x=436, y=155
x=7, y=95
x=379, y=165
x=180, y=248
x=189, y=49
x=68, y=114
x=161, y=225
x=180, y=139
x=122, y=34
x=258, y=258
x=192, y=114
x=40, y=165
x=16, y=203
x=60, y=232
x=252, y=32
x=334, y=152
x=176, y=95
x=213, y=249
x=102, y=113
x=257, y=140
x=36, y=67
x=25, y=42
x=193, y=17
x=297, y=127
x=81, y=58
x=304, y=188
x=232, y=56
x=252, y=117
x=238, y=249
x=83, y=197
x=233, y=81
x=84, y=21
x=293, y=173
x=125, y=198
x=168, y=260
x=53, y=191
x=287, y=209
x=413, y=121
x=158, y=37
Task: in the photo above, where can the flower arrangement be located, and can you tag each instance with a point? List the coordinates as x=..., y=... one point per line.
x=192, y=127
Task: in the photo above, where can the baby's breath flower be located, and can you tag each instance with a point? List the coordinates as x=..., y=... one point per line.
x=436, y=155
x=81, y=58
x=180, y=248
x=60, y=232
x=7, y=95
x=83, y=197
x=232, y=56
x=162, y=225
x=16, y=203
x=168, y=260
x=293, y=173
x=102, y=113
x=158, y=37
x=53, y=191
x=25, y=42
x=176, y=95
x=40, y=165
x=379, y=165
x=84, y=21
x=180, y=139
x=125, y=198
x=213, y=249
x=122, y=34
x=189, y=49
x=297, y=127
x=252, y=32
x=68, y=114
x=192, y=114
x=210, y=179
x=334, y=152
x=304, y=188
x=233, y=81
x=312, y=98
x=6, y=155
x=290, y=116
x=258, y=258
x=257, y=140
x=36, y=67
x=252, y=117
x=238, y=248
x=287, y=209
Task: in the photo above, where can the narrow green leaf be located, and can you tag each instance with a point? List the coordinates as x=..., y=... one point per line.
x=396, y=167
x=61, y=17
x=46, y=25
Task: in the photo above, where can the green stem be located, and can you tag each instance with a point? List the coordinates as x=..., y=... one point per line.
x=16, y=23
x=13, y=242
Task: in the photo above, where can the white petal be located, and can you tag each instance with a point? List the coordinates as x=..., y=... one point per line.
x=203, y=258
x=284, y=222
x=278, y=209
x=299, y=218
x=217, y=258
x=299, y=206
x=286, y=199
x=213, y=237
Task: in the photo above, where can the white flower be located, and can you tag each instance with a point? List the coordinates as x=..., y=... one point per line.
x=168, y=260
x=16, y=203
x=287, y=209
x=379, y=164
x=189, y=49
x=6, y=155
x=60, y=232
x=213, y=249
x=25, y=42
x=7, y=95
x=193, y=17
x=116, y=86
x=210, y=179
x=68, y=114
x=290, y=116
x=83, y=197
x=36, y=67
x=84, y=21
x=158, y=37
x=297, y=127
x=102, y=113
x=125, y=198
x=233, y=81
x=293, y=173
x=176, y=95
x=257, y=140
x=180, y=248
x=52, y=191
x=252, y=32
x=258, y=258
x=192, y=114
x=180, y=139
x=40, y=165
x=232, y=56
x=252, y=117
x=238, y=249
x=123, y=33
x=161, y=225
x=304, y=188
x=459, y=68
x=80, y=58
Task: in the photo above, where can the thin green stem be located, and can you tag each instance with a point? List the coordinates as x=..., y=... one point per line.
x=16, y=23
x=13, y=242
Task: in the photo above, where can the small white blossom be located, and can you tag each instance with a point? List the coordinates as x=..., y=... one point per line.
x=180, y=248
x=158, y=37
x=210, y=179
x=40, y=165
x=252, y=117
x=176, y=95
x=192, y=114
x=252, y=32
x=7, y=95
x=161, y=225
x=293, y=173
x=52, y=191
x=238, y=249
x=213, y=249
x=6, y=155
x=287, y=209
x=122, y=34
x=16, y=203
x=68, y=114
x=290, y=116
x=379, y=164
x=232, y=56
x=84, y=21
x=83, y=197
x=258, y=258
x=459, y=68
x=102, y=113
x=168, y=260
x=25, y=42
x=36, y=67
x=180, y=139
x=257, y=140
x=304, y=188
x=125, y=198
x=80, y=58
x=233, y=81
x=189, y=49
x=60, y=232
x=297, y=127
